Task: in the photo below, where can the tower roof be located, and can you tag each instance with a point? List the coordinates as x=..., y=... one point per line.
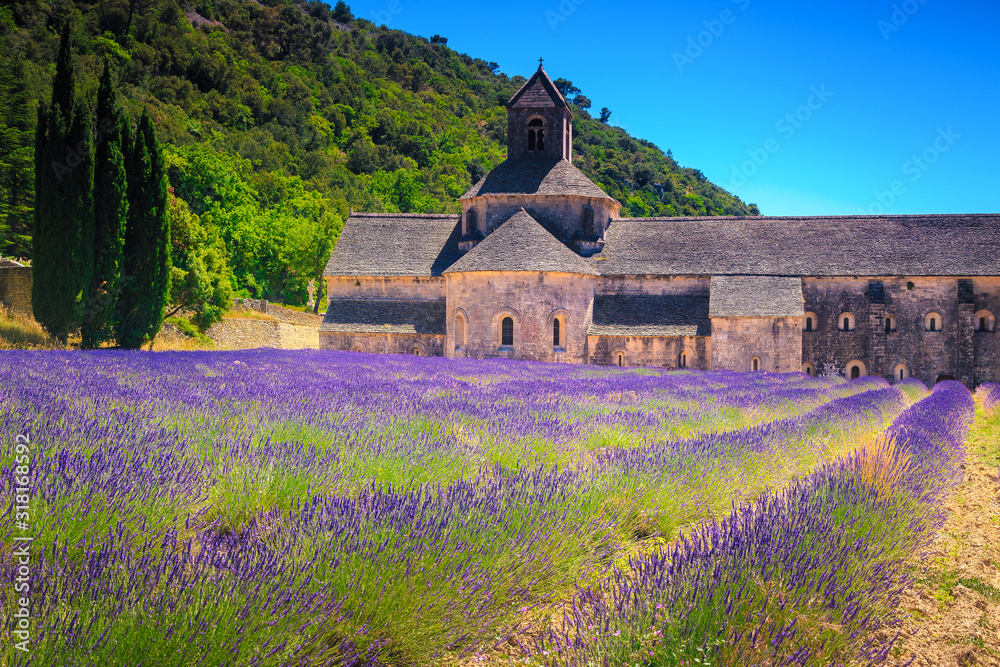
x=528, y=177
x=521, y=244
x=538, y=92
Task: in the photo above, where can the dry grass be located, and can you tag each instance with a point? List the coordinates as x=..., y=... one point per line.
x=243, y=314
x=882, y=465
x=20, y=332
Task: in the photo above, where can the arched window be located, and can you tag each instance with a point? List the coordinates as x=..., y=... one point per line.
x=507, y=332
x=459, y=331
x=901, y=372
x=933, y=322
x=809, y=324
x=846, y=322
x=683, y=361
x=536, y=134
x=809, y=369
x=855, y=369
x=755, y=364
x=811, y=321
x=888, y=325
x=415, y=351
x=556, y=333
x=984, y=321
x=621, y=359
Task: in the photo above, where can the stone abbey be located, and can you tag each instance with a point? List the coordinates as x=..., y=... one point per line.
x=539, y=266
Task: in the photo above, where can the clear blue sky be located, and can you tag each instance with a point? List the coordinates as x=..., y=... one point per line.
x=715, y=82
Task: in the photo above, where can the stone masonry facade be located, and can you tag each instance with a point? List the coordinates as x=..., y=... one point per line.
x=539, y=266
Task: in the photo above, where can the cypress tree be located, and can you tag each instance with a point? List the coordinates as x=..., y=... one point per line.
x=16, y=162
x=146, y=264
x=110, y=212
x=64, y=84
x=63, y=242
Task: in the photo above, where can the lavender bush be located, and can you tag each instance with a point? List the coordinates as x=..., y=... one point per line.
x=323, y=508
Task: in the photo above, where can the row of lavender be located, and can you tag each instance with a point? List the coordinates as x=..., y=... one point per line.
x=810, y=575
x=311, y=508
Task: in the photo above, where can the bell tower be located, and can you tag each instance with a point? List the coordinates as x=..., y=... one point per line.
x=539, y=122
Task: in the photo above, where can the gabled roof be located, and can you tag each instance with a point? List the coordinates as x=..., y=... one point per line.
x=904, y=245
x=385, y=316
x=521, y=244
x=651, y=315
x=756, y=296
x=395, y=244
x=536, y=177
x=537, y=92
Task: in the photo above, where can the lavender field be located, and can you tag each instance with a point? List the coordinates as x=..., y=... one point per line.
x=325, y=508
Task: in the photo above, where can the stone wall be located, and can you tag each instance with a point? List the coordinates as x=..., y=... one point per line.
x=654, y=285
x=533, y=300
x=15, y=289
x=954, y=349
x=423, y=345
x=244, y=334
x=776, y=342
x=386, y=287
x=558, y=127
x=664, y=351
x=561, y=213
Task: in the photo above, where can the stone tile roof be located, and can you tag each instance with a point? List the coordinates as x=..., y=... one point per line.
x=536, y=177
x=930, y=245
x=756, y=296
x=521, y=244
x=395, y=244
x=537, y=92
x=385, y=316
x=651, y=315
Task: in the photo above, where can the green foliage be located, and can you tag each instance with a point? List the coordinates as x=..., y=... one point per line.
x=146, y=263
x=17, y=177
x=200, y=280
x=188, y=328
x=364, y=117
x=64, y=214
x=110, y=215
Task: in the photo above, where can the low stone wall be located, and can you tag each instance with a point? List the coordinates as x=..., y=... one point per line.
x=293, y=316
x=277, y=312
x=245, y=334
x=15, y=289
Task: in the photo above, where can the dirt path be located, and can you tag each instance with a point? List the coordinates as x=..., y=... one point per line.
x=953, y=610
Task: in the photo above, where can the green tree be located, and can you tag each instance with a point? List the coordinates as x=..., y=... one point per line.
x=17, y=177
x=566, y=87
x=146, y=261
x=342, y=12
x=200, y=280
x=110, y=215
x=62, y=245
x=605, y=115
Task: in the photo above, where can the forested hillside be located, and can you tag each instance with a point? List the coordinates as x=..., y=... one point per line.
x=278, y=116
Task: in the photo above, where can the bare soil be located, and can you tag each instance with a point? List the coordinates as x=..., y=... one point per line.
x=953, y=609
